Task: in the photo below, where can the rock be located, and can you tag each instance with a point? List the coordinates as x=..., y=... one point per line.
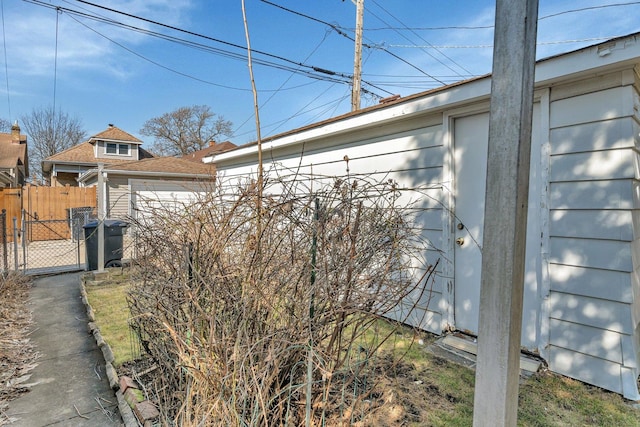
x=127, y=382
x=133, y=396
x=145, y=411
x=112, y=375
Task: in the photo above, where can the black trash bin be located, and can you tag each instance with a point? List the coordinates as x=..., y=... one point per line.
x=113, y=247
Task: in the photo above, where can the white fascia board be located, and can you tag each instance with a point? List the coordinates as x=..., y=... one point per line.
x=614, y=53
x=469, y=92
x=71, y=167
x=84, y=177
x=117, y=141
x=158, y=174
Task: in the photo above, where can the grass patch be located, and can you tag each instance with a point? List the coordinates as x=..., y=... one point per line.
x=109, y=302
x=417, y=387
x=427, y=390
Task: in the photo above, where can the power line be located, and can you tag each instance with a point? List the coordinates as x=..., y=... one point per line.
x=589, y=8
x=342, y=33
x=486, y=27
x=306, y=70
x=243, y=48
x=6, y=64
x=421, y=38
x=484, y=46
x=55, y=63
x=285, y=82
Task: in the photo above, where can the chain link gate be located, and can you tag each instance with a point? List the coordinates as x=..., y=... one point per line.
x=52, y=245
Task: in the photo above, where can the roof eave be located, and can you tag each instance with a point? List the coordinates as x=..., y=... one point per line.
x=94, y=172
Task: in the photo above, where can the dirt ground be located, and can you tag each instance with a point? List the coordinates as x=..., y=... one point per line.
x=17, y=354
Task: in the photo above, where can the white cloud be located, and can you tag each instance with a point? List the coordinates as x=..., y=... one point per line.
x=82, y=44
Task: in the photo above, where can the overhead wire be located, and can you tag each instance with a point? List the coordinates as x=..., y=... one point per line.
x=486, y=27
x=485, y=46
x=342, y=33
x=306, y=70
x=55, y=63
x=285, y=82
x=243, y=48
x=582, y=9
x=6, y=63
x=421, y=38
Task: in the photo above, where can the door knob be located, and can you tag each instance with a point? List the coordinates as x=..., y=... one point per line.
x=460, y=241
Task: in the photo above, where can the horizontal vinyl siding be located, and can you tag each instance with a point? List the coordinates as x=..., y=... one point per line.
x=119, y=198
x=603, y=194
x=592, y=196
x=587, y=368
x=590, y=282
x=414, y=159
x=632, y=343
x=592, y=224
x=591, y=253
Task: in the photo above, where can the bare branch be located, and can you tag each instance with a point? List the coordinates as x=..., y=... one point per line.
x=185, y=130
x=49, y=132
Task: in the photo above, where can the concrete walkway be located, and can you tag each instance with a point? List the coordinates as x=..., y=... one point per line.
x=69, y=383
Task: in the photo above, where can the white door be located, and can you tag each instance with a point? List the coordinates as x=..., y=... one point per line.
x=471, y=138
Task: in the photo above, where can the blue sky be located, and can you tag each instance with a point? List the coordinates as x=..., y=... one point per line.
x=103, y=73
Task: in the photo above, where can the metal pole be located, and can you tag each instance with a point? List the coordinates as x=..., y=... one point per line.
x=4, y=241
x=15, y=244
x=505, y=217
x=101, y=215
x=357, y=61
x=24, y=241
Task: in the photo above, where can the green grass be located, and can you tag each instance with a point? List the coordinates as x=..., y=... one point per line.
x=545, y=399
x=440, y=392
x=112, y=313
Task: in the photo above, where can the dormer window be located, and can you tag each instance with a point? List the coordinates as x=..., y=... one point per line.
x=117, y=149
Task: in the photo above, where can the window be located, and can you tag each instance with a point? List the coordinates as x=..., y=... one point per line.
x=117, y=149
x=112, y=148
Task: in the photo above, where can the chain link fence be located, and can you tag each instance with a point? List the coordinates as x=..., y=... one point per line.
x=44, y=246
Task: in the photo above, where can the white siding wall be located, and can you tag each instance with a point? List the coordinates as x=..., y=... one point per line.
x=593, y=199
x=412, y=157
x=582, y=308
x=118, y=197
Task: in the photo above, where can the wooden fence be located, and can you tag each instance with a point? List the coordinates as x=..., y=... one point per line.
x=45, y=208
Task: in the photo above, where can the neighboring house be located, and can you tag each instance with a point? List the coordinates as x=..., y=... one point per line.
x=111, y=146
x=14, y=160
x=582, y=281
x=213, y=148
x=130, y=185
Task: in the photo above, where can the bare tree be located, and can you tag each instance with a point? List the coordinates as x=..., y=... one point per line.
x=185, y=130
x=5, y=125
x=49, y=132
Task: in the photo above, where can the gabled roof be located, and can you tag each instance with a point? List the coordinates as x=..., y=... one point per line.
x=12, y=154
x=83, y=154
x=215, y=148
x=170, y=165
x=114, y=133
x=157, y=167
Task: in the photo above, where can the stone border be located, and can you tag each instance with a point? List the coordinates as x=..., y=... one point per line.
x=131, y=404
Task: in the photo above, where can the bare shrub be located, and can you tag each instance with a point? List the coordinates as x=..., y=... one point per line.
x=272, y=328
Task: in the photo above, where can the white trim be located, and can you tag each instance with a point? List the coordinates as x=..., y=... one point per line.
x=543, y=338
x=90, y=173
x=449, y=203
x=571, y=65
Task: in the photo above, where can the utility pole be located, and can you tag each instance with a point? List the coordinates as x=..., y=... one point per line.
x=505, y=214
x=101, y=217
x=357, y=62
